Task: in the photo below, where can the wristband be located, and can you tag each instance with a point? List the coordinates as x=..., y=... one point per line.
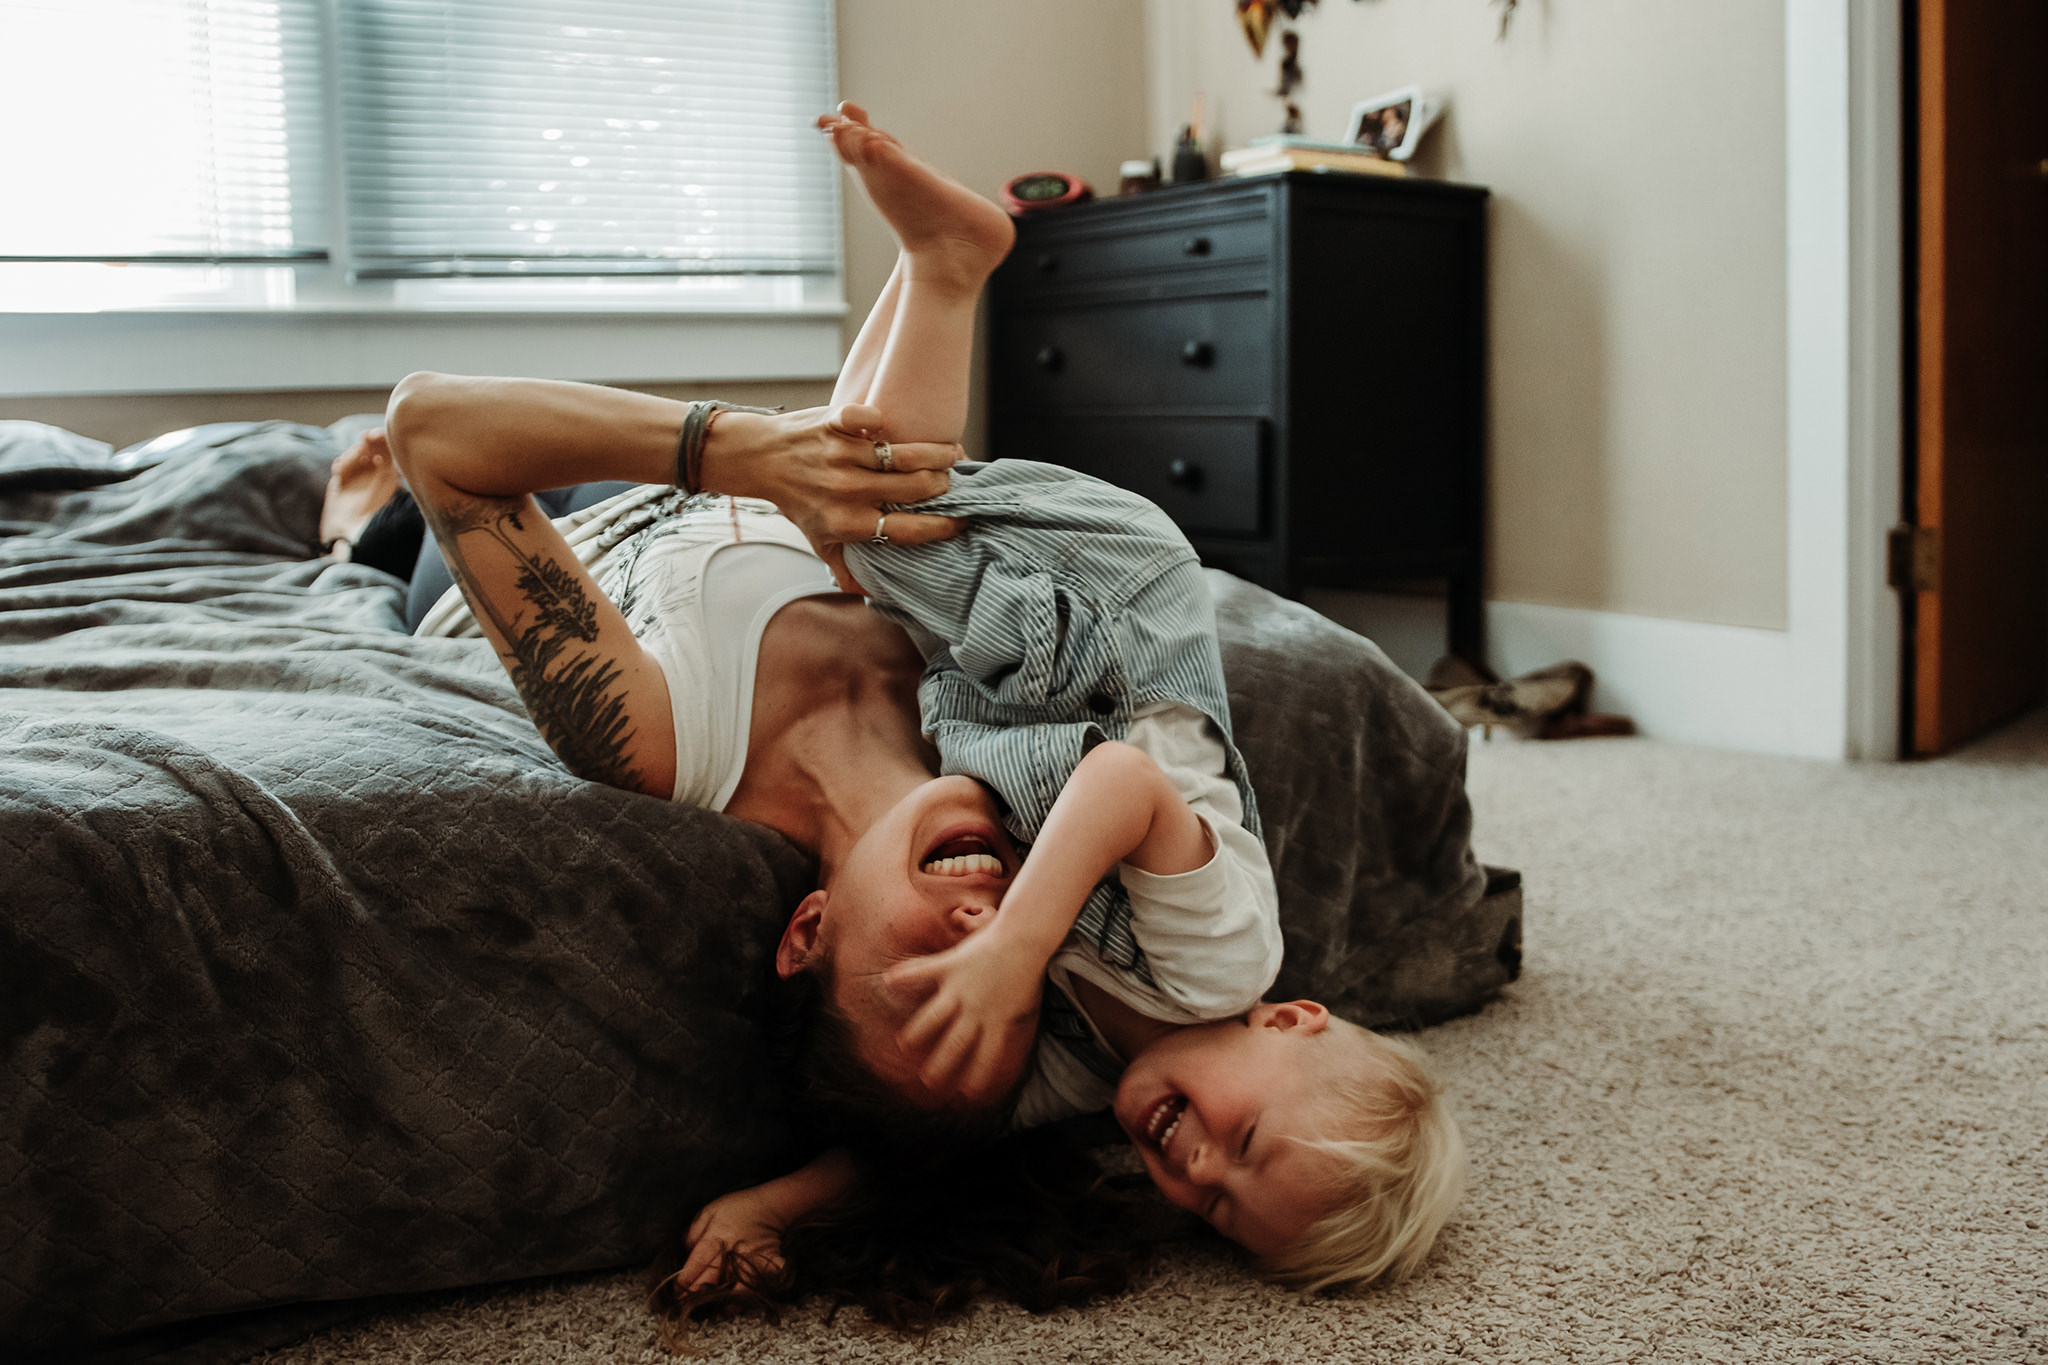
x=690, y=440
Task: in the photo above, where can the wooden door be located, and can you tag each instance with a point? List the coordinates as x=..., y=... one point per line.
x=1980, y=622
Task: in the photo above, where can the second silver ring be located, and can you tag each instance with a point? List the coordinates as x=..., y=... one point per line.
x=881, y=536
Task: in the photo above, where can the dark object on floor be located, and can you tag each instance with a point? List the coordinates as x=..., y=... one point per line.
x=1547, y=704
x=1586, y=725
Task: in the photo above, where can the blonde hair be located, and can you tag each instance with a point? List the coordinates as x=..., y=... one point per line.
x=1402, y=1165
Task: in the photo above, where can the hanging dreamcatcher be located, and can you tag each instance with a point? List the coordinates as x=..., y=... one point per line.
x=1256, y=18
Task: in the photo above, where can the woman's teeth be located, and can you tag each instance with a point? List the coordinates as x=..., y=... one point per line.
x=966, y=865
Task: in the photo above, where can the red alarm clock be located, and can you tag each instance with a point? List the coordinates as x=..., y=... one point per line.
x=1044, y=190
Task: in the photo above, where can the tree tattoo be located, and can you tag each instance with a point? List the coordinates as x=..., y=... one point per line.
x=572, y=693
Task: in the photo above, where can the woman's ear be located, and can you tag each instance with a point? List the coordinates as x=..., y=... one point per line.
x=1296, y=1016
x=799, y=946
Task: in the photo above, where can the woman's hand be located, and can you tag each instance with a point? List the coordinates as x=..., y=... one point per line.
x=751, y=1222
x=821, y=469
x=747, y=1222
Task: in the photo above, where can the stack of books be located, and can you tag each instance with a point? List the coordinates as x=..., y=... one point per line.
x=1291, y=152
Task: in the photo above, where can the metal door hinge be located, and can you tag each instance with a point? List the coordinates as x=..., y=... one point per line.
x=1913, y=558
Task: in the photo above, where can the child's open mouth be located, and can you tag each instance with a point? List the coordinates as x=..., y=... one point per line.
x=1160, y=1124
x=963, y=855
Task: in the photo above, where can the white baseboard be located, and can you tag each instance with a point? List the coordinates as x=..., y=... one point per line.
x=1726, y=686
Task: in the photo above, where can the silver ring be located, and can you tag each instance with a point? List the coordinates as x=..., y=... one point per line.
x=880, y=537
x=885, y=457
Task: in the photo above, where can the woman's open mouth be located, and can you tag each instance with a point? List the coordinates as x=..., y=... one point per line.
x=963, y=855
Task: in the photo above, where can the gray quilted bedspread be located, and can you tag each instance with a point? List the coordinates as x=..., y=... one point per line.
x=320, y=978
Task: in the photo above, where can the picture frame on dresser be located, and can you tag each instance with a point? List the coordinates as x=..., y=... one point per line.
x=1395, y=123
x=1211, y=346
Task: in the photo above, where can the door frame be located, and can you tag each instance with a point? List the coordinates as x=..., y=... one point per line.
x=1845, y=370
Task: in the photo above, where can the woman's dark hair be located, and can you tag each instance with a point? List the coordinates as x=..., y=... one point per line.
x=839, y=1095
x=1030, y=1218
x=952, y=1206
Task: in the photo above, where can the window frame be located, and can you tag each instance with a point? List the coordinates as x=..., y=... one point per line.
x=319, y=328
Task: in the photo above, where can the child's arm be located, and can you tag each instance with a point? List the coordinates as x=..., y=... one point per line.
x=752, y=1221
x=1117, y=807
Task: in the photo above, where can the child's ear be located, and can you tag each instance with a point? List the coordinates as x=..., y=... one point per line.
x=1296, y=1016
x=799, y=946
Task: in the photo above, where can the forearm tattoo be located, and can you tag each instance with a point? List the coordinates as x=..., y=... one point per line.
x=571, y=689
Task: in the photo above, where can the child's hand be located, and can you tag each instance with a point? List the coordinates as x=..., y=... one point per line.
x=976, y=1029
x=745, y=1221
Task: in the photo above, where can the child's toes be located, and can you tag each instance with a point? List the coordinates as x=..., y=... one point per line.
x=852, y=142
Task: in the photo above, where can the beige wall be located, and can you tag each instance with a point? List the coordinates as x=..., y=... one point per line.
x=986, y=90
x=1635, y=149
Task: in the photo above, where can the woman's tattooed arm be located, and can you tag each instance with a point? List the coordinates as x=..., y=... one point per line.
x=550, y=626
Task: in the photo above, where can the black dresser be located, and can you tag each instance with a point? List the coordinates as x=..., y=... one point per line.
x=1293, y=366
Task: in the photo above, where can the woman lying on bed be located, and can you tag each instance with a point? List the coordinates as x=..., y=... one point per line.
x=699, y=651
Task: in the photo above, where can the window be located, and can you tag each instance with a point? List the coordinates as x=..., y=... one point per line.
x=460, y=155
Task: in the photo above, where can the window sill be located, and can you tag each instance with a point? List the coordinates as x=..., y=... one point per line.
x=338, y=347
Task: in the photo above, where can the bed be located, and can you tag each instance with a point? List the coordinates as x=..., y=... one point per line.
x=321, y=979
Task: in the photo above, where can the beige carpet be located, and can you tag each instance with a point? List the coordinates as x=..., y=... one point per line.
x=1773, y=1087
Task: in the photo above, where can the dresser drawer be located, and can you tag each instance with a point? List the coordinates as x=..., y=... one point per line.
x=1207, y=473
x=1081, y=260
x=1184, y=353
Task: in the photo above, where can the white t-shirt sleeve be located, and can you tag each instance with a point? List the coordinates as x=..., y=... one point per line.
x=1210, y=936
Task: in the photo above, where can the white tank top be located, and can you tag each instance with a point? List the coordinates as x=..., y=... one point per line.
x=698, y=579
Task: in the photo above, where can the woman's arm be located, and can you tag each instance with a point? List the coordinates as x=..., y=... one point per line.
x=504, y=437
x=752, y=1221
x=473, y=450
x=1117, y=807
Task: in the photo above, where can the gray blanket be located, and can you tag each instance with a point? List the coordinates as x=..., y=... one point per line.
x=320, y=978
x=318, y=975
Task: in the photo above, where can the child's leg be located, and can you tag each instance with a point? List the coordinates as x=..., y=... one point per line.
x=952, y=239
x=857, y=375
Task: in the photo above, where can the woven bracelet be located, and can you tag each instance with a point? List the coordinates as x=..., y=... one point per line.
x=690, y=440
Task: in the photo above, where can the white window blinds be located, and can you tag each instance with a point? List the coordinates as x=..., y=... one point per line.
x=586, y=137
x=161, y=130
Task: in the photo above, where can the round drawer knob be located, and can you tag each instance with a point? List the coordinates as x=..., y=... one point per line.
x=1184, y=474
x=1196, y=246
x=1048, y=263
x=1050, y=359
x=1197, y=353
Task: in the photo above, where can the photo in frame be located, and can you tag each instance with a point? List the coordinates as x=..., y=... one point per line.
x=1393, y=124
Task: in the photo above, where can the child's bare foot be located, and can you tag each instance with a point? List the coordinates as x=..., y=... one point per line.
x=363, y=479
x=944, y=227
